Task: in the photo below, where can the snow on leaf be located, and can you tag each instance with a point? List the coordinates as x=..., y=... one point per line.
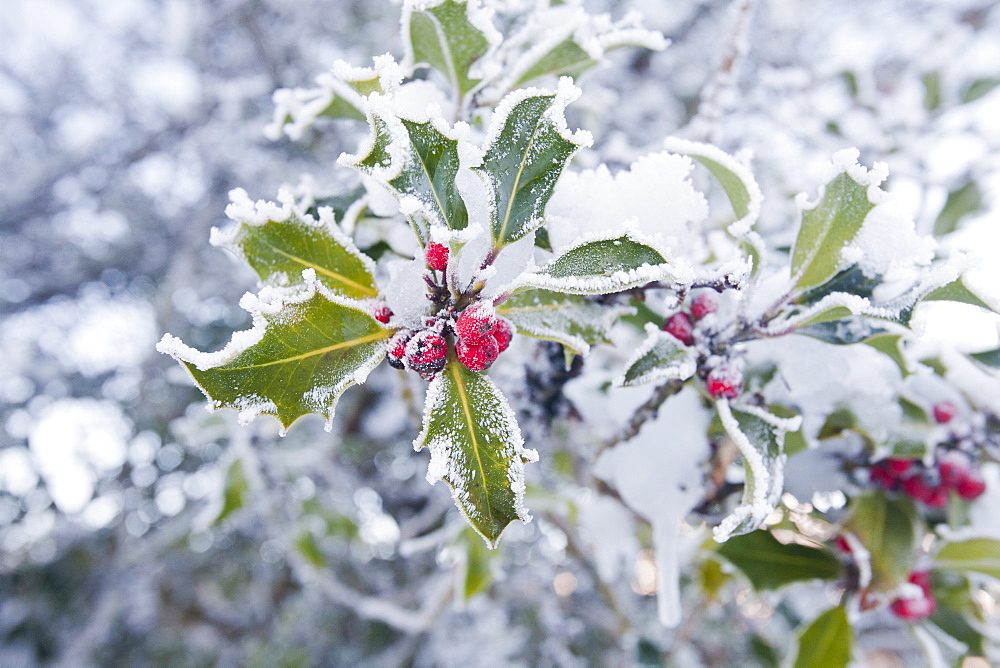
x=527, y=146
x=960, y=291
x=832, y=224
x=760, y=438
x=572, y=320
x=605, y=264
x=279, y=243
x=661, y=357
x=306, y=347
x=449, y=36
x=476, y=447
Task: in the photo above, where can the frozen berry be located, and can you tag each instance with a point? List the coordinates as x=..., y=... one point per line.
x=477, y=357
x=880, y=476
x=681, y=327
x=724, y=383
x=952, y=468
x=971, y=486
x=381, y=312
x=503, y=332
x=437, y=256
x=914, y=609
x=703, y=304
x=944, y=411
x=919, y=489
x=395, y=354
x=476, y=323
x=899, y=466
x=842, y=545
x=426, y=352
x=922, y=579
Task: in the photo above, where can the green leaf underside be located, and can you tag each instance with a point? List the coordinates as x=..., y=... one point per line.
x=826, y=643
x=234, y=494
x=309, y=354
x=989, y=358
x=764, y=438
x=958, y=291
x=554, y=316
x=478, y=576
x=521, y=167
x=443, y=38
x=770, y=564
x=667, y=358
x=566, y=58
x=603, y=258
x=886, y=527
x=474, y=443
x=430, y=172
x=827, y=229
x=284, y=249
x=978, y=555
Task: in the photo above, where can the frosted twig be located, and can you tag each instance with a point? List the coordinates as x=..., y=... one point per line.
x=647, y=411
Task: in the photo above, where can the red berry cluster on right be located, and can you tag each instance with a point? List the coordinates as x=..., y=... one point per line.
x=930, y=485
x=914, y=609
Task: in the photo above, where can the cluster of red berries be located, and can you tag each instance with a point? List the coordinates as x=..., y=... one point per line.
x=723, y=380
x=919, y=607
x=930, y=485
x=480, y=335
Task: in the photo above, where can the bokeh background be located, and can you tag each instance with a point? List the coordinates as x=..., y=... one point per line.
x=123, y=125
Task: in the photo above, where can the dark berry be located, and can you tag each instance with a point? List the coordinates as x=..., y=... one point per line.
x=476, y=323
x=944, y=411
x=703, y=304
x=477, y=357
x=724, y=383
x=681, y=327
x=503, y=332
x=395, y=354
x=426, y=353
x=880, y=476
x=437, y=256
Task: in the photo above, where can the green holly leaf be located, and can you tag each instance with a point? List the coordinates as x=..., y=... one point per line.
x=760, y=438
x=572, y=320
x=476, y=447
x=476, y=575
x=959, y=291
x=525, y=152
x=661, y=357
x=827, y=229
x=306, y=347
x=279, y=248
x=851, y=330
x=888, y=529
x=961, y=202
x=442, y=36
x=976, y=555
x=826, y=642
x=234, y=492
x=770, y=564
x=602, y=266
x=989, y=358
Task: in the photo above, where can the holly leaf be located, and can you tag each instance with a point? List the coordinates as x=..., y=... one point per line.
x=960, y=203
x=989, y=358
x=826, y=229
x=442, y=36
x=977, y=555
x=306, y=347
x=234, y=492
x=279, y=248
x=848, y=331
x=476, y=447
x=959, y=291
x=661, y=357
x=826, y=643
x=527, y=147
x=887, y=527
x=760, y=438
x=602, y=266
x=572, y=320
x=770, y=564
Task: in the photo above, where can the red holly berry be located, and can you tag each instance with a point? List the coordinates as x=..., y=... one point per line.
x=922, y=579
x=477, y=357
x=880, y=476
x=436, y=256
x=842, y=545
x=944, y=411
x=476, y=323
x=381, y=312
x=914, y=609
x=703, y=304
x=952, y=468
x=396, y=352
x=426, y=353
x=681, y=327
x=919, y=489
x=971, y=486
x=503, y=332
x=724, y=382
x=899, y=466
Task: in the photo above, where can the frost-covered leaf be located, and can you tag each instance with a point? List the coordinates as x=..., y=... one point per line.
x=887, y=528
x=476, y=447
x=976, y=555
x=278, y=248
x=770, y=564
x=605, y=265
x=528, y=145
x=851, y=330
x=826, y=642
x=429, y=175
x=304, y=350
x=988, y=358
x=961, y=202
x=661, y=357
x=449, y=36
x=572, y=320
x=832, y=224
x=960, y=291
x=760, y=438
